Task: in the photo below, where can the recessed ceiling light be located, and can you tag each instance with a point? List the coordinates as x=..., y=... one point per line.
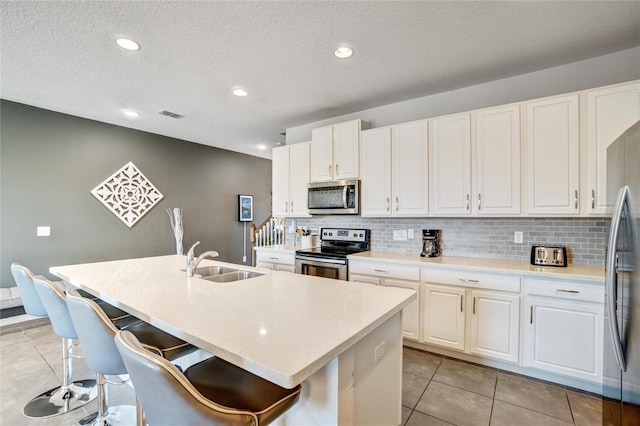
x=262, y=147
x=131, y=113
x=125, y=43
x=240, y=92
x=343, y=52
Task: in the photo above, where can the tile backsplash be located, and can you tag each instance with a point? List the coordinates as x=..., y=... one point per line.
x=585, y=238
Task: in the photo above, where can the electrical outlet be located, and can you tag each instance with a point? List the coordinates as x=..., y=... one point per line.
x=410, y=234
x=378, y=352
x=244, y=259
x=517, y=237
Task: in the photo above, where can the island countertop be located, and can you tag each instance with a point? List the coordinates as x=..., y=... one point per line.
x=280, y=326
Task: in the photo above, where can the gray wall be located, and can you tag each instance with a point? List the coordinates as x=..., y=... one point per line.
x=51, y=161
x=600, y=71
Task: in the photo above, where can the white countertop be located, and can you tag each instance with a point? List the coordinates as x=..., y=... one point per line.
x=288, y=248
x=280, y=326
x=474, y=264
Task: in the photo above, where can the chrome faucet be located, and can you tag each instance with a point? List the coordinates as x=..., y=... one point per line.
x=192, y=263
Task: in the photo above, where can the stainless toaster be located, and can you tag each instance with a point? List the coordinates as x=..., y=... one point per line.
x=549, y=255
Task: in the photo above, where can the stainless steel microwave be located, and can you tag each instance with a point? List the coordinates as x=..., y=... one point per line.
x=338, y=197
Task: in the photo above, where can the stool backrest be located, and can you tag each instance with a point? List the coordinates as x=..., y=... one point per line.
x=30, y=299
x=55, y=303
x=166, y=395
x=95, y=332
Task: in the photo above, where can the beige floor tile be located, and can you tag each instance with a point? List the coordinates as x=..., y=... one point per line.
x=454, y=405
x=505, y=414
x=467, y=376
x=420, y=419
x=586, y=409
x=412, y=389
x=420, y=363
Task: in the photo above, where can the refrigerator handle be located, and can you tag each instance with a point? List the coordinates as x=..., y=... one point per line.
x=610, y=277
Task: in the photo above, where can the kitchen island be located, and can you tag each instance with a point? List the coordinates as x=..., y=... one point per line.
x=341, y=340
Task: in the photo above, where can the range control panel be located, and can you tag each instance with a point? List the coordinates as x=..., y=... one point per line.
x=342, y=234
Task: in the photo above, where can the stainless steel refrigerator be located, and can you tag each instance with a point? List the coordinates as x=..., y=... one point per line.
x=621, y=373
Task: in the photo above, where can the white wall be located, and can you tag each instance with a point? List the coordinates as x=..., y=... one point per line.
x=599, y=71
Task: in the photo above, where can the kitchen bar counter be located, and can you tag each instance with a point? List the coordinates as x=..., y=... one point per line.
x=281, y=326
x=495, y=266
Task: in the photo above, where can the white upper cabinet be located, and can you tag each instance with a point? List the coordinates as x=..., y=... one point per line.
x=450, y=165
x=290, y=176
x=335, y=152
x=610, y=111
x=394, y=170
x=552, y=151
x=496, y=152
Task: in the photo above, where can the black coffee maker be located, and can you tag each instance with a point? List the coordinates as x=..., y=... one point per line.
x=430, y=244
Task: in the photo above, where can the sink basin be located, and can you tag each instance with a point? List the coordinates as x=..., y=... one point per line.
x=211, y=271
x=234, y=275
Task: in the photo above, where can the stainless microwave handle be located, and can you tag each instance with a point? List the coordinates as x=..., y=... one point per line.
x=344, y=196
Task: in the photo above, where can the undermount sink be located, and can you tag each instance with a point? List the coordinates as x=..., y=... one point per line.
x=234, y=275
x=211, y=271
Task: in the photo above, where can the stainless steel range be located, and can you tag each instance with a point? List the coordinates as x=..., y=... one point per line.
x=330, y=259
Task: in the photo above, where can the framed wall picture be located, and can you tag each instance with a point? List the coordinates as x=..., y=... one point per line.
x=245, y=208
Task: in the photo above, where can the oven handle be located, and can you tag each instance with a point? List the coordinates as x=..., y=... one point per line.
x=315, y=262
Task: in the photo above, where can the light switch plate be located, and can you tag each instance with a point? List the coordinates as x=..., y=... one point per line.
x=517, y=237
x=43, y=231
x=410, y=234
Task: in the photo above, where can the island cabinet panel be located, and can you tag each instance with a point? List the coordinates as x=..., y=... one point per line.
x=444, y=316
x=610, y=111
x=552, y=141
x=564, y=328
x=495, y=325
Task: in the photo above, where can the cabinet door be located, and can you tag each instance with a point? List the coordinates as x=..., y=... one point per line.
x=552, y=156
x=298, y=179
x=610, y=112
x=375, y=168
x=495, y=325
x=280, y=181
x=443, y=316
x=409, y=170
x=321, y=157
x=346, y=150
x=450, y=165
x=497, y=162
x=564, y=338
x=411, y=313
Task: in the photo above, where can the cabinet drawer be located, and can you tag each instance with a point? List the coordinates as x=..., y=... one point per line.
x=565, y=290
x=387, y=270
x=472, y=280
x=273, y=256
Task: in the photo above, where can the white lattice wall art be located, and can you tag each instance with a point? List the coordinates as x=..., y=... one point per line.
x=128, y=194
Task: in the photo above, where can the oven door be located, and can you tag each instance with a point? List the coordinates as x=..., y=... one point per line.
x=325, y=268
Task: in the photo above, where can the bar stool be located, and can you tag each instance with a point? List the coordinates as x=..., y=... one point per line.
x=212, y=391
x=96, y=333
x=70, y=395
x=57, y=400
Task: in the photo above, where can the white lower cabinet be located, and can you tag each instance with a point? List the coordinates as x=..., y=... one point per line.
x=384, y=274
x=488, y=306
x=444, y=316
x=277, y=260
x=495, y=325
x=564, y=330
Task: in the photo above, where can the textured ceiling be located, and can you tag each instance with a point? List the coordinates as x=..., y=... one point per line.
x=62, y=56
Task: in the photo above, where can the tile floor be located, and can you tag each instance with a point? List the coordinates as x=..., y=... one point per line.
x=436, y=390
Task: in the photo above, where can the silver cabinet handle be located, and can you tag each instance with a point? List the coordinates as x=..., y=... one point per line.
x=274, y=258
x=396, y=203
x=286, y=206
x=381, y=270
x=387, y=203
x=461, y=302
x=336, y=170
x=474, y=305
x=479, y=201
x=463, y=280
x=575, y=198
x=292, y=207
x=467, y=202
x=329, y=169
x=560, y=290
x=593, y=198
x=531, y=314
